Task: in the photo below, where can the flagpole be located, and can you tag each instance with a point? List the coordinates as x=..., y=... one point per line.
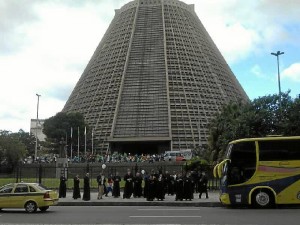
x=71, y=153
x=78, y=145
x=85, y=141
x=66, y=146
x=92, y=141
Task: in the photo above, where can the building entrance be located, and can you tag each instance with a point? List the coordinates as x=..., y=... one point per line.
x=140, y=147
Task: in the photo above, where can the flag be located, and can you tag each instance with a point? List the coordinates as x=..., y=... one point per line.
x=71, y=132
x=85, y=131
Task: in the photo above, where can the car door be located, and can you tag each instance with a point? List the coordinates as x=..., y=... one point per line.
x=5, y=196
x=20, y=195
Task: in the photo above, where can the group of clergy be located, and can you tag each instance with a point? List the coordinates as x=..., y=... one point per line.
x=156, y=185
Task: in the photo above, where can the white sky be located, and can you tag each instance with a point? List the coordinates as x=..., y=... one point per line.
x=46, y=44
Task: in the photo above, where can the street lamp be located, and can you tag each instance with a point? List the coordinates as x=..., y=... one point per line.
x=277, y=54
x=36, y=126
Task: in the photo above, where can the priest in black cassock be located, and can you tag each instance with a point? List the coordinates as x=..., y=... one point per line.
x=188, y=187
x=62, y=187
x=86, y=188
x=179, y=188
x=128, y=189
x=76, y=189
x=137, y=186
x=160, y=188
x=116, y=185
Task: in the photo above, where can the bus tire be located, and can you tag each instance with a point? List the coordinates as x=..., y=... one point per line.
x=263, y=198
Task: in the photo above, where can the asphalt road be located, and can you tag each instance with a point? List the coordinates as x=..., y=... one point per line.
x=153, y=215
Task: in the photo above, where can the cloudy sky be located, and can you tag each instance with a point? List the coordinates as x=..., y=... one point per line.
x=46, y=44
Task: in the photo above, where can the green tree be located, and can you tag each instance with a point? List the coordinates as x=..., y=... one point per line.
x=291, y=124
x=59, y=126
x=27, y=139
x=11, y=148
x=233, y=122
x=258, y=118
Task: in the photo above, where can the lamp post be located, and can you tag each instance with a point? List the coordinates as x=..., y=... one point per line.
x=277, y=54
x=36, y=127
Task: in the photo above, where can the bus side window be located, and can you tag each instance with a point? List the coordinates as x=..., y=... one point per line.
x=279, y=150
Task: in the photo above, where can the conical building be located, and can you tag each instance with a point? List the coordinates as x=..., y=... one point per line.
x=155, y=80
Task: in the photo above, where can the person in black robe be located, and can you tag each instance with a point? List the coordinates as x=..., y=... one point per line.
x=151, y=188
x=195, y=180
x=203, y=185
x=86, y=188
x=76, y=189
x=137, y=186
x=116, y=185
x=169, y=183
x=179, y=188
x=160, y=188
x=128, y=189
x=146, y=184
x=62, y=187
x=188, y=187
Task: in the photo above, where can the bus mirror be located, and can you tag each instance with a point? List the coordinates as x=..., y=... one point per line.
x=215, y=171
x=220, y=167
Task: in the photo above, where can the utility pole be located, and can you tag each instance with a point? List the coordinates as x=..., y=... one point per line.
x=277, y=54
x=36, y=127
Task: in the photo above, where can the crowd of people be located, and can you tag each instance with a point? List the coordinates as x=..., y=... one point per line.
x=154, y=185
x=117, y=157
x=97, y=158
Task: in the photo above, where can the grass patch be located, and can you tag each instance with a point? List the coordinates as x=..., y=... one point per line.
x=53, y=183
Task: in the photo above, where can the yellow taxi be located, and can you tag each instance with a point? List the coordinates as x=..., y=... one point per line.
x=30, y=196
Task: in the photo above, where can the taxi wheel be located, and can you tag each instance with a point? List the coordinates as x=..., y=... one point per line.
x=43, y=209
x=30, y=207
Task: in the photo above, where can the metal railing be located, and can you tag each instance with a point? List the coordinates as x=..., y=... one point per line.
x=46, y=174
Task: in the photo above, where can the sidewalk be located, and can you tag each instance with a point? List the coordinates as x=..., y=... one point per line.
x=212, y=201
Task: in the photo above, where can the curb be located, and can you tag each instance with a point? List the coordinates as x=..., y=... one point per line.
x=213, y=201
x=178, y=204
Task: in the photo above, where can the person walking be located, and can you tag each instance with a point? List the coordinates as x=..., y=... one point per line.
x=76, y=189
x=203, y=185
x=62, y=187
x=101, y=185
x=86, y=188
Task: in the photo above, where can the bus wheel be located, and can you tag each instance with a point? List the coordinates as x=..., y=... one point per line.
x=262, y=199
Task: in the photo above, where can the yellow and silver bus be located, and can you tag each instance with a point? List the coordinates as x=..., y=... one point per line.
x=260, y=172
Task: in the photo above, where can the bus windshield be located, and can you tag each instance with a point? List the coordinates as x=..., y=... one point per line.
x=242, y=164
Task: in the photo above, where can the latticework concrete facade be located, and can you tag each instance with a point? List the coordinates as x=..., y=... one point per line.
x=155, y=80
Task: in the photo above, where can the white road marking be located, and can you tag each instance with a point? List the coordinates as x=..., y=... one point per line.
x=168, y=209
x=165, y=216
